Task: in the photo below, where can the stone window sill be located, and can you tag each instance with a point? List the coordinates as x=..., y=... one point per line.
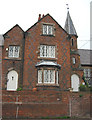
x=45, y=58
x=7, y=58
x=48, y=85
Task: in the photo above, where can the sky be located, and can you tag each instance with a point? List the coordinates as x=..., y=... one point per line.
x=25, y=14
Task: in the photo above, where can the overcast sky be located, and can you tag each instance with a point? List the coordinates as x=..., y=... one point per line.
x=25, y=14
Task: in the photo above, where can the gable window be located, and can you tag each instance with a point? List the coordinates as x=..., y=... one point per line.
x=47, y=51
x=47, y=76
x=47, y=29
x=13, y=51
x=73, y=60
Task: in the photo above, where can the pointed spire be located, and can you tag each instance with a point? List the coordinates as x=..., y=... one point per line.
x=69, y=27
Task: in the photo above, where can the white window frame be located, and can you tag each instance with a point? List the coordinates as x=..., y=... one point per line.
x=47, y=29
x=87, y=72
x=14, y=51
x=74, y=60
x=47, y=51
x=44, y=76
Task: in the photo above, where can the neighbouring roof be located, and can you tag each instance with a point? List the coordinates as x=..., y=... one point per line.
x=1, y=40
x=85, y=56
x=47, y=63
x=69, y=27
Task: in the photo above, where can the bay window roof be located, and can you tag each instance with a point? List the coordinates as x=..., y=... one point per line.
x=47, y=63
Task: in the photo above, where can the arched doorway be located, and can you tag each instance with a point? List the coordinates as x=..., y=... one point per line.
x=75, y=82
x=12, y=80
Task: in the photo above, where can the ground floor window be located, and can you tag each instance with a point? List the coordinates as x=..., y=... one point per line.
x=48, y=76
x=88, y=76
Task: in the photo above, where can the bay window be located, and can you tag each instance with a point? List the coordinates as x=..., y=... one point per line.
x=47, y=76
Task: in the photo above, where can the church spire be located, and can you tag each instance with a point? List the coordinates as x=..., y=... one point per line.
x=69, y=27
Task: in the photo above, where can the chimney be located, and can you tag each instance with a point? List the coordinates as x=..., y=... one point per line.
x=42, y=15
x=39, y=17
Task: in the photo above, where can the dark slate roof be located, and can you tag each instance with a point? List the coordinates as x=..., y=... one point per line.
x=85, y=56
x=69, y=27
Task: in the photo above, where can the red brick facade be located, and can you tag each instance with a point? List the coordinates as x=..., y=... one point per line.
x=28, y=104
x=15, y=36
x=48, y=99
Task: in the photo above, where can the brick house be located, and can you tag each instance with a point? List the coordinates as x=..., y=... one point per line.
x=44, y=59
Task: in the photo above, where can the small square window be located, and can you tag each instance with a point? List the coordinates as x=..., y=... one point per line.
x=13, y=51
x=47, y=29
x=74, y=60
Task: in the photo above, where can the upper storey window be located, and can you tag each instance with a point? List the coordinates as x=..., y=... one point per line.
x=74, y=60
x=47, y=51
x=72, y=44
x=47, y=29
x=13, y=51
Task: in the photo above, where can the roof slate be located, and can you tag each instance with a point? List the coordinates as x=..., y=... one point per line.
x=69, y=27
x=85, y=56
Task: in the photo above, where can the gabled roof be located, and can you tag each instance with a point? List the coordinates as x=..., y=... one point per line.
x=12, y=28
x=69, y=27
x=52, y=18
x=85, y=56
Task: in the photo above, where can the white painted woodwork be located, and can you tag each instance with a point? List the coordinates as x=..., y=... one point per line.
x=75, y=82
x=12, y=80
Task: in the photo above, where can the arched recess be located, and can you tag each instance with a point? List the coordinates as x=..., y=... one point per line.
x=75, y=82
x=12, y=80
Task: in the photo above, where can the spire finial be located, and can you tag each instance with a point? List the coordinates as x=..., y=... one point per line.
x=67, y=7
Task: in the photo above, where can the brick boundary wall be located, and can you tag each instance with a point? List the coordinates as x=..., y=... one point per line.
x=29, y=104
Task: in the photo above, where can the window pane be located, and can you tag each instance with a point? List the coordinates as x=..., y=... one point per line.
x=49, y=76
x=47, y=51
x=73, y=59
x=89, y=73
x=47, y=29
x=52, y=76
x=53, y=51
x=10, y=51
x=41, y=50
x=57, y=77
x=44, y=29
x=39, y=76
x=16, y=51
x=45, y=76
x=50, y=30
